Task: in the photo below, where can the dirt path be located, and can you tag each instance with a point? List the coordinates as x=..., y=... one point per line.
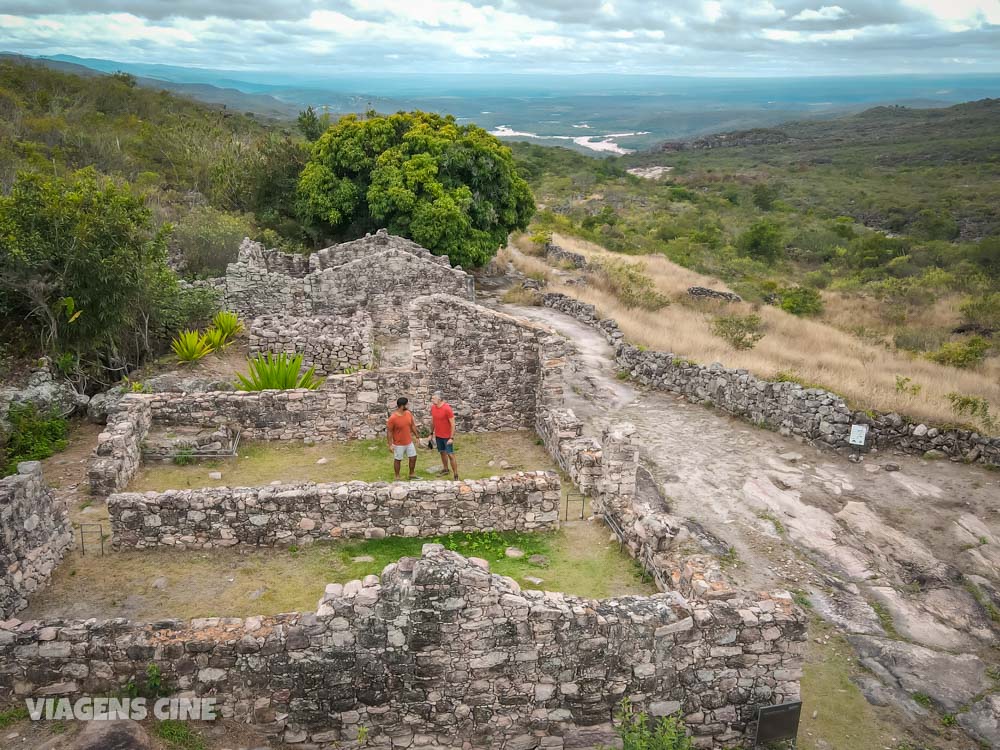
x=895, y=557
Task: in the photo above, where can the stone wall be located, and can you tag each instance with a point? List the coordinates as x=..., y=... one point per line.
x=330, y=344
x=34, y=534
x=118, y=454
x=810, y=413
x=440, y=651
x=301, y=513
x=556, y=254
x=485, y=362
x=379, y=274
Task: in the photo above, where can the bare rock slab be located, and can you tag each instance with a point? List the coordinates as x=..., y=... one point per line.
x=111, y=735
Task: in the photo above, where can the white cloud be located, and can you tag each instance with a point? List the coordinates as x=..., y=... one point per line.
x=826, y=13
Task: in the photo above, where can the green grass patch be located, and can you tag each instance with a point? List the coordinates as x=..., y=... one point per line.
x=364, y=460
x=12, y=716
x=179, y=735
x=885, y=619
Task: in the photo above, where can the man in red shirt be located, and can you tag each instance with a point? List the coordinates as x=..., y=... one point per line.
x=401, y=429
x=444, y=432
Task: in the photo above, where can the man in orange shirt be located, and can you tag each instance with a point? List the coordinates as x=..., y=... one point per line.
x=443, y=418
x=401, y=429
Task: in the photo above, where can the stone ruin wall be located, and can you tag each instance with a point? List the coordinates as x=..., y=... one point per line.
x=440, y=651
x=304, y=513
x=34, y=534
x=810, y=413
x=118, y=454
x=329, y=343
x=558, y=255
x=485, y=362
x=476, y=356
x=379, y=274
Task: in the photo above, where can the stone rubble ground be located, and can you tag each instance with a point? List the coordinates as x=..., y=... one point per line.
x=865, y=545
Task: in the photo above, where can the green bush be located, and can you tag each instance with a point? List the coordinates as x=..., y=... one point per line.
x=962, y=354
x=983, y=311
x=801, y=300
x=277, y=372
x=208, y=239
x=763, y=240
x=190, y=346
x=215, y=339
x=973, y=406
x=32, y=436
x=764, y=195
x=740, y=331
x=637, y=732
x=630, y=283
x=228, y=324
x=452, y=188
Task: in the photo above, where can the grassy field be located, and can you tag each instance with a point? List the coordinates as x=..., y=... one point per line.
x=364, y=460
x=159, y=583
x=807, y=350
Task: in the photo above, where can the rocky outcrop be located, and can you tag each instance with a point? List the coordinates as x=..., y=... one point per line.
x=45, y=391
x=701, y=292
x=814, y=414
x=34, y=534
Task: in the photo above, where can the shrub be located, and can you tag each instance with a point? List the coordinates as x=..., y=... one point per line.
x=763, y=240
x=190, y=346
x=630, y=283
x=215, y=339
x=740, y=331
x=208, y=239
x=963, y=354
x=33, y=435
x=801, y=300
x=637, y=734
x=764, y=196
x=983, y=312
x=972, y=406
x=277, y=372
x=906, y=387
x=229, y=324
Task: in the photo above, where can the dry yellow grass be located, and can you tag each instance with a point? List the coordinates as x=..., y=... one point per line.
x=816, y=352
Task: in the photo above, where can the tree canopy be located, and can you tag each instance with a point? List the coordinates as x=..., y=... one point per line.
x=453, y=189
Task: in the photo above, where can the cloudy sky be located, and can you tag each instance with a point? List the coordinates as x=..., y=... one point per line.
x=681, y=37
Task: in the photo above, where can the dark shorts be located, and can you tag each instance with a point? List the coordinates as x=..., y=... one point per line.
x=443, y=446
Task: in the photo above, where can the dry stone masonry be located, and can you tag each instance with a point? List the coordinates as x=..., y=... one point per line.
x=701, y=292
x=329, y=343
x=558, y=255
x=302, y=513
x=118, y=453
x=34, y=534
x=379, y=274
x=441, y=652
x=811, y=413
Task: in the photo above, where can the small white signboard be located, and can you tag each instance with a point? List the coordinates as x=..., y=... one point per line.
x=858, y=434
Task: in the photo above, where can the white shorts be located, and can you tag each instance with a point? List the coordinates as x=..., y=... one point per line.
x=398, y=451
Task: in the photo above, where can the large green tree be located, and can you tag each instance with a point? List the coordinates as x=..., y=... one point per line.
x=453, y=189
x=82, y=264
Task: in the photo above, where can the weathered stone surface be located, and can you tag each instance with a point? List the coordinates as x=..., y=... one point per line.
x=982, y=720
x=438, y=647
x=34, y=534
x=810, y=413
x=295, y=513
x=330, y=344
x=111, y=735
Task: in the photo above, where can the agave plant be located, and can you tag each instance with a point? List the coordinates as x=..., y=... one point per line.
x=190, y=346
x=277, y=372
x=228, y=324
x=215, y=339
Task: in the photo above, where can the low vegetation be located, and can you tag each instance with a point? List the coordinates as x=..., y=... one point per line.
x=280, y=371
x=880, y=232
x=638, y=732
x=31, y=436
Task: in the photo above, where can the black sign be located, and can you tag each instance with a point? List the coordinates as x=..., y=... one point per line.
x=779, y=722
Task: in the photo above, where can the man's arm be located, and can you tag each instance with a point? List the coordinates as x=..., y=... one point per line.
x=388, y=435
x=451, y=421
x=413, y=428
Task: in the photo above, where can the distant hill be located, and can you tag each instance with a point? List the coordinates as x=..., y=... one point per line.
x=230, y=98
x=891, y=125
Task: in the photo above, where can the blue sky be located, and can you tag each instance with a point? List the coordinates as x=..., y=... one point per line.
x=684, y=37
